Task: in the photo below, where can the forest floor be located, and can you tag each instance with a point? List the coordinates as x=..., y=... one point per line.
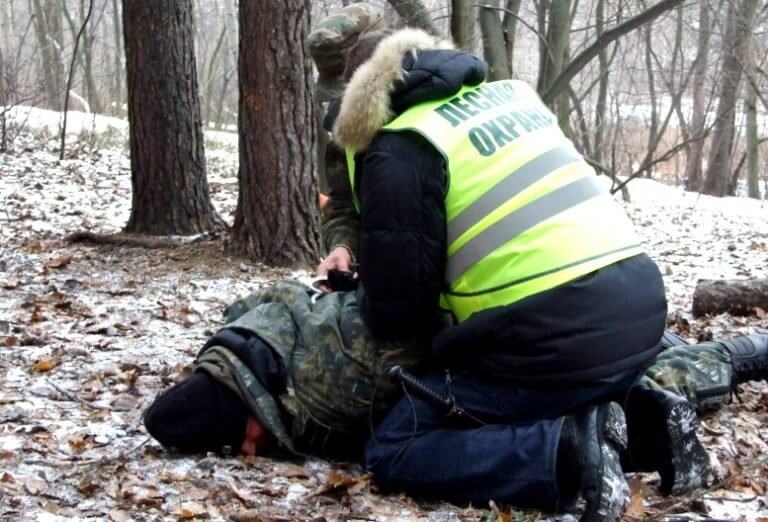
x=90, y=334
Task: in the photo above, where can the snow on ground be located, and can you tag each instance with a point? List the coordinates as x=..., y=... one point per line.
x=89, y=335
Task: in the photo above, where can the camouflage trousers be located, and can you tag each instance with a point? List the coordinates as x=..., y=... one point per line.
x=702, y=373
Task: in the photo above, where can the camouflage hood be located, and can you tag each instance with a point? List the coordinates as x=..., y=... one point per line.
x=227, y=368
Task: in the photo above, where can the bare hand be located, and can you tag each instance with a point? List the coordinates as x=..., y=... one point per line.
x=338, y=259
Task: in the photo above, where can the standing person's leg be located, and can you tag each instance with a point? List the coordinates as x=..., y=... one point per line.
x=513, y=458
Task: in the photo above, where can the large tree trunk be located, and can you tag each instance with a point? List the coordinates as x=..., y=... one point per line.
x=740, y=23
x=737, y=297
x=278, y=217
x=170, y=190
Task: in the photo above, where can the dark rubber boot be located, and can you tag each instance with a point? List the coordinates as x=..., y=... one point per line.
x=749, y=357
x=662, y=438
x=590, y=443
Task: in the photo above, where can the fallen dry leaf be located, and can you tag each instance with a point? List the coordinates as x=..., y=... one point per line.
x=189, y=510
x=59, y=261
x=249, y=515
x=78, y=442
x=37, y=314
x=34, y=485
x=117, y=515
x=337, y=481
x=294, y=471
x=10, y=284
x=46, y=364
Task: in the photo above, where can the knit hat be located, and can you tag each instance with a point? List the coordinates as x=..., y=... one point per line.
x=198, y=415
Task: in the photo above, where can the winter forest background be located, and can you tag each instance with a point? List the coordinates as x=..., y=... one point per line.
x=121, y=243
x=678, y=98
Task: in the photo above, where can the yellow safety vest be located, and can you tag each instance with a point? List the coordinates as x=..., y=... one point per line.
x=525, y=212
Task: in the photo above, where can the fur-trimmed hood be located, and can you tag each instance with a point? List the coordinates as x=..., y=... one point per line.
x=407, y=67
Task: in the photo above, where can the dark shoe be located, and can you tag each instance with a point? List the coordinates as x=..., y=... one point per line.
x=749, y=357
x=589, y=446
x=662, y=438
x=671, y=339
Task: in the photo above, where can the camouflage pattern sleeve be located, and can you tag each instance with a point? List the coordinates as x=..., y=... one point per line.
x=341, y=223
x=702, y=373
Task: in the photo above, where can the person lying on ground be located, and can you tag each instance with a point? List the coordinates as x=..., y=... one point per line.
x=296, y=372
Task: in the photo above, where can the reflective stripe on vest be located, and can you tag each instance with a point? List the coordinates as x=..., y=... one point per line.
x=525, y=212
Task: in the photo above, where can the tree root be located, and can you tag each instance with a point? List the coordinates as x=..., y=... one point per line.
x=136, y=240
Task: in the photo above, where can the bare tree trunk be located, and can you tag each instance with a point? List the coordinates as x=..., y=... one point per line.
x=602, y=87
x=653, y=127
x=494, y=45
x=737, y=36
x=277, y=220
x=93, y=95
x=52, y=89
x=7, y=28
x=56, y=39
x=558, y=21
x=414, y=14
x=693, y=173
x=118, y=84
x=510, y=31
x=461, y=24
x=753, y=148
x=213, y=62
x=170, y=190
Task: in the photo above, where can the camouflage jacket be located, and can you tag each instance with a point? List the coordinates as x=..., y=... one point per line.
x=337, y=382
x=341, y=223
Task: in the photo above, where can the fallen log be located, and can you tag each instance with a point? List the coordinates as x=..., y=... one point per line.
x=735, y=296
x=134, y=240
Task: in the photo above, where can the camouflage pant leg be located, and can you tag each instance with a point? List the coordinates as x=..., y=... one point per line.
x=702, y=373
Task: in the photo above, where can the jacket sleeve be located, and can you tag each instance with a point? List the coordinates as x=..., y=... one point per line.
x=402, y=181
x=341, y=224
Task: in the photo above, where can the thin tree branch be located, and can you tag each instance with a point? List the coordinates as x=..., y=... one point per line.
x=69, y=78
x=580, y=61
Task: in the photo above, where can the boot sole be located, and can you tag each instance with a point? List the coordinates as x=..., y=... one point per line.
x=614, y=493
x=690, y=461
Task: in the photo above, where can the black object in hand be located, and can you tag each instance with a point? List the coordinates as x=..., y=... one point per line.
x=342, y=280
